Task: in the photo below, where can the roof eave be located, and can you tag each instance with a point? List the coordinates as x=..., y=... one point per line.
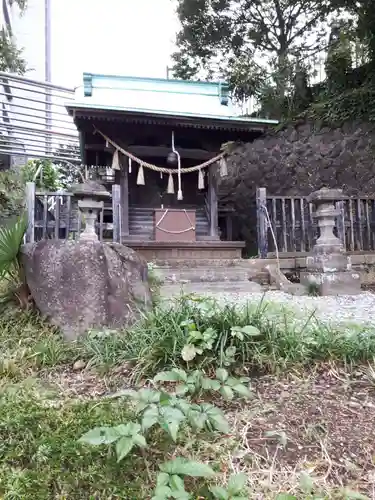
x=184, y=119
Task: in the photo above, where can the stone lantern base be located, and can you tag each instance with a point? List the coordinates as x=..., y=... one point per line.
x=328, y=268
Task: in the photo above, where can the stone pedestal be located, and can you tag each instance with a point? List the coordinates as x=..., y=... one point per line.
x=328, y=267
x=91, y=196
x=90, y=209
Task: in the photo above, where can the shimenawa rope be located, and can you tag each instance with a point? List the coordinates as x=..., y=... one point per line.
x=155, y=167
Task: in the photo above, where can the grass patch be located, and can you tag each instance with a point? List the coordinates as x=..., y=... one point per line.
x=41, y=458
x=156, y=343
x=308, y=434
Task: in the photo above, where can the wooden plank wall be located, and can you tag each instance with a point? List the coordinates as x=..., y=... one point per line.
x=288, y=224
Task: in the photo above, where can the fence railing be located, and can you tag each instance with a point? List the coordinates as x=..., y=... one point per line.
x=287, y=224
x=35, y=122
x=55, y=215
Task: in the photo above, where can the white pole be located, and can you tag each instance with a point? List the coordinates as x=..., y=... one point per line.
x=47, y=70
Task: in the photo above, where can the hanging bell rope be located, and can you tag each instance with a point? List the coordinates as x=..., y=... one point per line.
x=164, y=170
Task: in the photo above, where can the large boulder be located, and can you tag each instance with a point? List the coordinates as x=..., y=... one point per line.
x=82, y=285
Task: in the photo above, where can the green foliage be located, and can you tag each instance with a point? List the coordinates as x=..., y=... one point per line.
x=170, y=483
x=125, y=436
x=196, y=382
x=43, y=173
x=11, y=269
x=248, y=43
x=10, y=56
x=40, y=455
x=155, y=344
x=12, y=196
x=234, y=490
x=169, y=412
x=155, y=281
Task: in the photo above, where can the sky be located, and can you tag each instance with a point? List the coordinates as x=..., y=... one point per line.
x=129, y=37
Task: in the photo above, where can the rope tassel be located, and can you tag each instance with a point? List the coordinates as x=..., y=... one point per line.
x=140, y=176
x=170, y=189
x=200, y=179
x=116, y=161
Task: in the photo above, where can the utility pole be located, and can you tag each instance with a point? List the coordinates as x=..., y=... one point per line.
x=47, y=72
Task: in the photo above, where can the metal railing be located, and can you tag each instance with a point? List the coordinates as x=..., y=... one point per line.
x=34, y=122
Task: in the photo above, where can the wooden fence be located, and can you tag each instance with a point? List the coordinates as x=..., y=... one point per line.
x=290, y=221
x=55, y=215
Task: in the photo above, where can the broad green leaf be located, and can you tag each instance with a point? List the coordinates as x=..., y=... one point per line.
x=162, y=493
x=251, y=331
x=222, y=374
x=237, y=483
x=162, y=479
x=183, y=467
x=306, y=483
x=149, y=396
x=123, y=446
x=216, y=418
x=195, y=335
x=242, y=390
x=180, y=495
x=165, y=398
x=188, y=352
x=140, y=441
x=227, y=392
x=188, y=324
x=174, y=375
x=219, y=493
x=176, y=483
x=100, y=435
x=171, y=428
x=212, y=385
x=150, y=417
x=171, y=418
x=184, y=406
x=198, y=420
x=129, y=429
x=11, y=238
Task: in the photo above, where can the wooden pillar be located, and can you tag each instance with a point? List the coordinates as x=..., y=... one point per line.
x=213, y=202
x=229, y=226
x=124, y=187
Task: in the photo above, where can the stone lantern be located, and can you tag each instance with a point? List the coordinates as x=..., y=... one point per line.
x=328, y=268
x=91, y=196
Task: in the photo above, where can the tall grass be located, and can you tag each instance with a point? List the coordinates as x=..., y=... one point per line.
x=156, y=342
x=29, y=344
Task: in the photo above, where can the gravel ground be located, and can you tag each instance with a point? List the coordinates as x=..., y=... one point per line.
x=341, y=310
x=356, y=310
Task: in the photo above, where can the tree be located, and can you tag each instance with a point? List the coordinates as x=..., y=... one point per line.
x=10, y=56
x=364, y=13
x=248, y=41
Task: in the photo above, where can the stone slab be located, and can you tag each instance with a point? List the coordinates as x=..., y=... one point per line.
x=333, y=283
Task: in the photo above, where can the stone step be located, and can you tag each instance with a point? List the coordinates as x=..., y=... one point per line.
x=202, y=274
x=238, y=287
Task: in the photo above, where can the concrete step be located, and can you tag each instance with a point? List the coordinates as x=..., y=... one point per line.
x=203, y=274
x=238, y=287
